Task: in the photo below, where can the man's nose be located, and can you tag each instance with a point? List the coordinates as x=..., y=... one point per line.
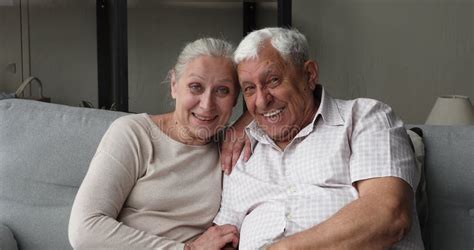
x=263, y=98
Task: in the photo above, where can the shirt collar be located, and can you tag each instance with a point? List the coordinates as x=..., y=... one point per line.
x=255, y=133
x=328, y=110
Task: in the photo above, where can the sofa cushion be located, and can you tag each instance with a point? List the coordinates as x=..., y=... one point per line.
x=45, y=150
x=7, y=241
x=416, y=138
x=449, y=172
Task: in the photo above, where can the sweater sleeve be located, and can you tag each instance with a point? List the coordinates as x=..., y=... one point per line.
x=112, y=174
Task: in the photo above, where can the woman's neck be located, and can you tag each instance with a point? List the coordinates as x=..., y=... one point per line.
x=171, y=127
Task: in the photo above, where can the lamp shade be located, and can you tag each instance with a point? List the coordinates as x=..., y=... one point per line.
x=451, y=110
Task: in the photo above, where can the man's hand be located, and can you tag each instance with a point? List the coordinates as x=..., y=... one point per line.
x=216, y=237
x=234, y=142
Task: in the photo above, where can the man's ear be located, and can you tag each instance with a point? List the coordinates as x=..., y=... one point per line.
x=311, y=72
x=173, y=84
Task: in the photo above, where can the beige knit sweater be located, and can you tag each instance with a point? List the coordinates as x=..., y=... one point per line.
x=145, y=190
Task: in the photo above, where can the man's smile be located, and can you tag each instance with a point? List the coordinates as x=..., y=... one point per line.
x=273, y=112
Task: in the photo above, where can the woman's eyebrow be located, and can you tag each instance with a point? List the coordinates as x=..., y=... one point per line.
x=197, y=76
x=226, y=80
x=223, y=80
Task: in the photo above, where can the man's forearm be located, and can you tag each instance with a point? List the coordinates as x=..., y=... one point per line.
x=377, y=220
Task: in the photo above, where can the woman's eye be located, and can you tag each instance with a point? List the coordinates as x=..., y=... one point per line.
x=196, y=88
x=222, y=91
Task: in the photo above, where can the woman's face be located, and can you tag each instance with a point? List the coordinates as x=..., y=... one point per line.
x=205, y=94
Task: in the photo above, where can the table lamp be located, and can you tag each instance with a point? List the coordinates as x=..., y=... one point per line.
x=451, y=110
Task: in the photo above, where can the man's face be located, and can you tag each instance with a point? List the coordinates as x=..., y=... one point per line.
x=278, y=95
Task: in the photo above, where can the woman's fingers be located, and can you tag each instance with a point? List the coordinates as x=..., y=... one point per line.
x=235, y=139
x=229, y=233
x=230, y=237
x=238, y=146
x=226, y=161
x=217, y=237
x=227, y=150
x=247, y=149
x=231, y=148
x=226, y=153
x=226, y=229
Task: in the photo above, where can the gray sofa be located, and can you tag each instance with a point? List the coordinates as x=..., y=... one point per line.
x=45, y=151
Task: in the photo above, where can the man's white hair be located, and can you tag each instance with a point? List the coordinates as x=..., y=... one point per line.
x=290, y=43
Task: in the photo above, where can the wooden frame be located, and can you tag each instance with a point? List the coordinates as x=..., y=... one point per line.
x=112, y=46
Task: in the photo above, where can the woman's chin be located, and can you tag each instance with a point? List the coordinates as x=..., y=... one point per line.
x=212, y=126
x=204, y=133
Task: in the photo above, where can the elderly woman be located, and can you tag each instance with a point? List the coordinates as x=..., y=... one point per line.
x=155, y=181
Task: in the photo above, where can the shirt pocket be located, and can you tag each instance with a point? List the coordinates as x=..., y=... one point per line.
x=321, y=158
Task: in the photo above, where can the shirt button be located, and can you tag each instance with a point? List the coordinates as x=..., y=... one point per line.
x=288, y=216
x=291, y=190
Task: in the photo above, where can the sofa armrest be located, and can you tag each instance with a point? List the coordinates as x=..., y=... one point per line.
x=7, y=241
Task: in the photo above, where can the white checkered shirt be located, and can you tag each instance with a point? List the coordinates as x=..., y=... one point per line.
x=278, y=193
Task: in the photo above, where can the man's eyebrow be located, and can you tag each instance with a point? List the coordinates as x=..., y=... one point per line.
x=270, y=70
x=246, y=82
x=267, y=72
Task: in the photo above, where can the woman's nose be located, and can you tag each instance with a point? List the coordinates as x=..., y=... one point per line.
x=207, y=101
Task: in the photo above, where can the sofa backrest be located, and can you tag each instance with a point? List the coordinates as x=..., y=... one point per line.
x=45, y=151
x=449, y=174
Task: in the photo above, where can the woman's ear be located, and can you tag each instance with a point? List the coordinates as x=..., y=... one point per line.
x=311, y=72
x=173, y=84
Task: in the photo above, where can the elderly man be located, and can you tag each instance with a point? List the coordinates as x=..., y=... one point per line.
x=325, y=173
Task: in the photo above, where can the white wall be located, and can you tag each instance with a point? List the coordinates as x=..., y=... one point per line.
x=158, y=30
x=10, y=47
x=63, y=49
x=266, y=14
x=403, y=52
x=60, y=39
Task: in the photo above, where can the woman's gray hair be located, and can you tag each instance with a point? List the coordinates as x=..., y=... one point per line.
x=290, y=43
x=202, y=47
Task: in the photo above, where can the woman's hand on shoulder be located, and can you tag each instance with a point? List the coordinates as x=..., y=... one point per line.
x=235, y=140
x=216, y=237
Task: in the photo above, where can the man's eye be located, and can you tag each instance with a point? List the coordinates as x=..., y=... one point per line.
x=195, y=88
x=222, y=91
x=274, y=80
x=249, y=90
